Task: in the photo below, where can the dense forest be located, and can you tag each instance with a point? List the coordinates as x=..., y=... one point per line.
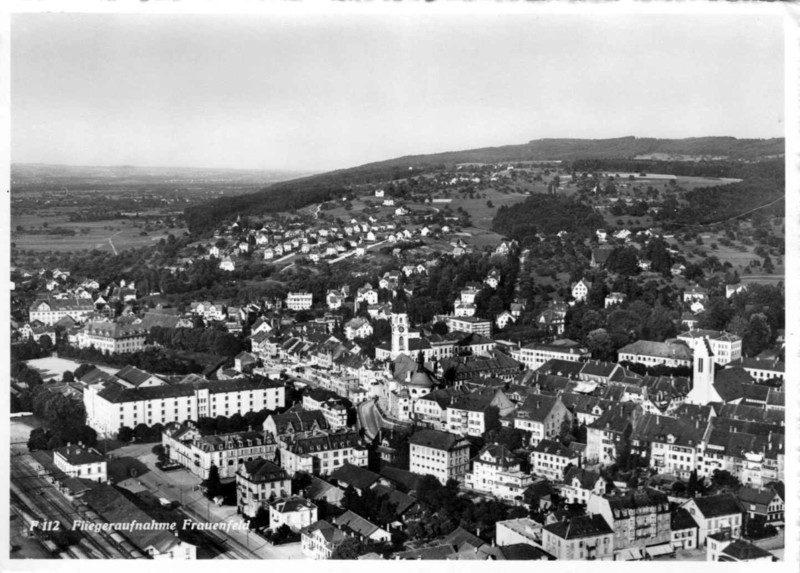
x=545, y=214
x=772, y=169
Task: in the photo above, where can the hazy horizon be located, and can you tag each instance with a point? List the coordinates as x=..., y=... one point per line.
x=313, y=93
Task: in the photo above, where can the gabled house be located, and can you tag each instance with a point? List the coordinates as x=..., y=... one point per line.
x=721, y=513
x=354, y=524
x=496, y=470
x=580, y=484
x=549, y=459
x=540, y=415
x=320, y=539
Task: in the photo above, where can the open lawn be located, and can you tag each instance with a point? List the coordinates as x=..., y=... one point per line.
x=627, y=221
x=52, y=368
x=479, y=211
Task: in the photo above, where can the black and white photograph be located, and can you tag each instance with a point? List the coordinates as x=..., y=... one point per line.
x=401, y=281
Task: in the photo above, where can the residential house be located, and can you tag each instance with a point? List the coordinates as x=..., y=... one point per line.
x=443, y=455
x=720, y=513
x=580, y=290
x=541, y=415
x=550, y=459
x=585, y=538
x=259, y=481
x=641, y=522
x=684, y=529
x=322, y=453
x=294, y=512
x=765, y=504
x=472, y=414
x=320, y=539
x=722, y=547
x=615, y=298
x=357, y=328
x=496, y=470
x=580, y=484
x=608, y=436
x=354, y=524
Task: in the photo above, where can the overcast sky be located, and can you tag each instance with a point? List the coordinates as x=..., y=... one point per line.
x=318, y=93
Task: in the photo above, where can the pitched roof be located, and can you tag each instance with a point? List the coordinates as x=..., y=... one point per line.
x=437, y=440
x=536, y=407
x=719, y=505
x=756, y=496
x=329, y=532
x=658, y=428
x=588, y=478
x=680, y=518
x=554, y=448
x=319, y=489
x=292, y=504
x=133, y=375
x=261, y=470
x=503, y=456
x=559, y=367
x=116, y=393
x=460, y=536
x=299, y=420
x=616, y=418
x=537, y=490
x=427, y=553
x=524, y=552
x=658, y=349
x=79, y=455
x=358, y=477
x=578, y=527
x=402, y=501
x=324, y=442
x=354, y=522
x=634, y=499
x=742, y=550
x=114, y=507
x=405, y=479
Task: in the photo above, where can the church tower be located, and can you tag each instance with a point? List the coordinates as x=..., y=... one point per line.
x=703, y=390
x=399, y=334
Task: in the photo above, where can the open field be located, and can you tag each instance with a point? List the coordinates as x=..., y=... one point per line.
x=88, y=234
x=627, y=221
x=52, y=368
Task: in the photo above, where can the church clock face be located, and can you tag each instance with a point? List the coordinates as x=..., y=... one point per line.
x=400, y=329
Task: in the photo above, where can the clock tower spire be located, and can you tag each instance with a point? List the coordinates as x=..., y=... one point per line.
x=399, y=334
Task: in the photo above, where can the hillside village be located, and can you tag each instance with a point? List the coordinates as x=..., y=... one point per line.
x=395, y=389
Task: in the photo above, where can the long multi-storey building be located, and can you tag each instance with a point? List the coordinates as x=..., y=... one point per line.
x=229, y=452
x=110, y=406
x=535, y=354
x=299, y=300
x=651, y=353
x=50, y=310
x=112, y=337
x=725, y=347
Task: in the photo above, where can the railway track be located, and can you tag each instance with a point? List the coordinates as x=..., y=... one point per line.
x=34, y=492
